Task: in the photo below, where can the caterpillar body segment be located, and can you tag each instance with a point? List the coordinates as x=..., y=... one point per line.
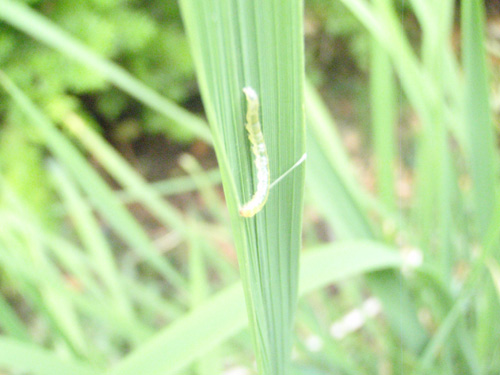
x=259, y=150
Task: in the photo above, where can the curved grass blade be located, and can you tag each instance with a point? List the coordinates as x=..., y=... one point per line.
x=190, y=337
x=21, y=356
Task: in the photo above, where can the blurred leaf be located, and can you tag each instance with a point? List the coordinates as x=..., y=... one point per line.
x=21, y=356
x=480, y=138
x=190, y=337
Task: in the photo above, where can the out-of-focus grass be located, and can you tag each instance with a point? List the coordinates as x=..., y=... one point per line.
x=93, y=294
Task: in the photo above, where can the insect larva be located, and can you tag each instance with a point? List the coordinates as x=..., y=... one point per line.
x=259, y=149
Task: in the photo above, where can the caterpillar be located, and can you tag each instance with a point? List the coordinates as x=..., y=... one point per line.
x=259, y=149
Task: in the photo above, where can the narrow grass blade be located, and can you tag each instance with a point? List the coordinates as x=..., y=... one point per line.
x=20, y=356
x=383, y=110
x=478, y=123
x=9, y=321
x=178, y=185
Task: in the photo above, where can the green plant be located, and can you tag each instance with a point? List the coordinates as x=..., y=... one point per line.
x=86, y=291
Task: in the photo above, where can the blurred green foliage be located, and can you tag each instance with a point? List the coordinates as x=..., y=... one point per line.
x=145, y=38
x=127, y=280
x=336, y=41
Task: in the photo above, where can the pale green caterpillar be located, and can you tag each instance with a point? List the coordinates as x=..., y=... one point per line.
x=259, y=149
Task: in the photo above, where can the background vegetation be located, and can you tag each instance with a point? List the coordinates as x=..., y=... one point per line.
x=116, y=253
